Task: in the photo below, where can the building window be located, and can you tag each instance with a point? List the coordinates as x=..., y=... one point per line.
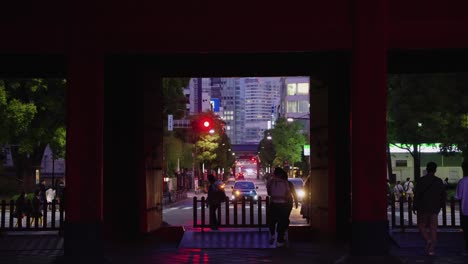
x=401, y=163
x=303, y=107
x=291, y=106
x=303, y=88
x=292, y=89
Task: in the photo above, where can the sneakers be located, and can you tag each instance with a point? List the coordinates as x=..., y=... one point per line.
x=430, y=248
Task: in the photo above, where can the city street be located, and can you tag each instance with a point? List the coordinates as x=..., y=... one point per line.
x=181, y=213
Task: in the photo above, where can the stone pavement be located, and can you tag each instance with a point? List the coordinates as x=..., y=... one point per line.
x=229, y=246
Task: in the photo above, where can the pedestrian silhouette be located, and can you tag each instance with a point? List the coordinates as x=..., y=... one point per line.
x=429, y=198
x=398, y=191
x=280, y=192
x=216, y=195
x=36, y=210
x=461, y=194
x=408, y=188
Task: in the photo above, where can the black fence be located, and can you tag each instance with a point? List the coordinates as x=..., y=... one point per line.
x=402, y=215
x=245, y=213
x=174, y=196
x=51, y=217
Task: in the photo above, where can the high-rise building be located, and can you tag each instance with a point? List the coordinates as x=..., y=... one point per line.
x=260, y=94
x=295, y=101
x=228, y=104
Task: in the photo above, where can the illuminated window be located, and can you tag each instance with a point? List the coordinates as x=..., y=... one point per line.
x=291, y=106
x=292, y=90
x=303, y=88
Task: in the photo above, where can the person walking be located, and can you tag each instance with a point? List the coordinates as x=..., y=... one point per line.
x=398, y=191
x=280, y=194
x=36, y=210
x=50, y=196
x=21, y=209
x=216, y=195
x=461, y=193
x=291, y=200
x=429, y=198
x=408, y=188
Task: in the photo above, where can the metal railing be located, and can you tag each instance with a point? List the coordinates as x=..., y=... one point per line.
x=53, y=211
x=402, y=215
x=245, y=213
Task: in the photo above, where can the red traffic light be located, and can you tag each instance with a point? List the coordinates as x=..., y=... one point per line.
x=206, y=124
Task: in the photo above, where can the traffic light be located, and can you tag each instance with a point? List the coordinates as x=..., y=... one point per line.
x=204, y=124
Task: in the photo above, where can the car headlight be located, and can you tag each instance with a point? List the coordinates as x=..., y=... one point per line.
x=255, y=197
x=301, y=194
x=237, y=193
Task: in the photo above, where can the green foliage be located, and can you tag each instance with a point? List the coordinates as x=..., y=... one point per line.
x=288, y=141
x=437, y=102
x=173, y=148
x=174, y=99
x=266, y=151
x=224, y=158
x=29, y=196
x=206, y=148
x=32, y=115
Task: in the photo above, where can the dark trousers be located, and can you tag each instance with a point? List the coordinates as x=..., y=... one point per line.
x=464, y=225
x=279, y=219
x=214, y=221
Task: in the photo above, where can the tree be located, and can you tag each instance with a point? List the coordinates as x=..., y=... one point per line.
x=266, y=150
x=224, y=158
x=174, y=98
x=32, y=115
x=288, y=141
x=427, y=108
x=208, y=129
x=206, y=148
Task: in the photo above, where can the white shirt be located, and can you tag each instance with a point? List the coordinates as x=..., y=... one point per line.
x=462, y=194
x=50, y=195
x=408, y=187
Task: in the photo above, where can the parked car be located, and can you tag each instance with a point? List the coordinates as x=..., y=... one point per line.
x=244, y=189
x=299, y=187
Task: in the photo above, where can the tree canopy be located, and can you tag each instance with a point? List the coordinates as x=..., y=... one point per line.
x=32, y=116
x=286, y=144
x=428, y=108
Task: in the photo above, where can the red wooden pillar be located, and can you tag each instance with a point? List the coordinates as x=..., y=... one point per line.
x=84, y=162
x=368, y=128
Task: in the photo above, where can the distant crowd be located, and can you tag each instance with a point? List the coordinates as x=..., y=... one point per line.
x=41, y=200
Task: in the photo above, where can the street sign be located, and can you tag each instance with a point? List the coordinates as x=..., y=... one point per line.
x=306, y=150
x=170, y=123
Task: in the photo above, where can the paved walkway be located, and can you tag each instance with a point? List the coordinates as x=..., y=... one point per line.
x=230, y=246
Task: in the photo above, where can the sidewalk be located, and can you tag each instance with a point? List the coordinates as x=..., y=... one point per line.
x=231, y=246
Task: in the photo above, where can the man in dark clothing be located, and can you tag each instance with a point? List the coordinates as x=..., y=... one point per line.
x=462, y=195
x=216, y=195
x=429, y=198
